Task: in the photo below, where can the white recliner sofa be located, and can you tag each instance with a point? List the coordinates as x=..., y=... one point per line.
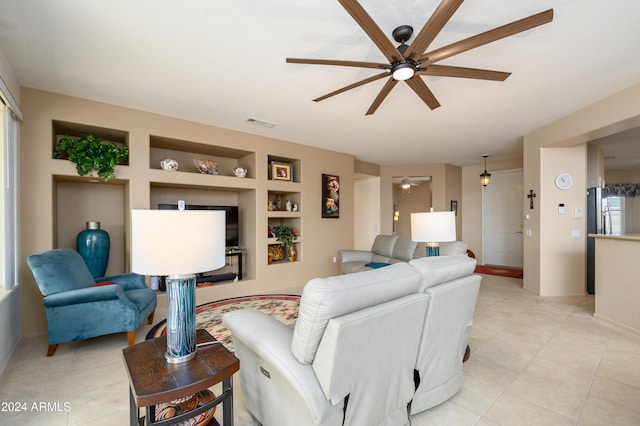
x=452, y=288
x=368, y=348
x=349, y=360
x=389, y=249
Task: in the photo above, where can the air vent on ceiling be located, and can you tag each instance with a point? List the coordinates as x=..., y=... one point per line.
x=260, y=123
x=609, y=157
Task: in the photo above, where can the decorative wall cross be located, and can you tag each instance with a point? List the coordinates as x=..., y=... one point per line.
x=531, y=196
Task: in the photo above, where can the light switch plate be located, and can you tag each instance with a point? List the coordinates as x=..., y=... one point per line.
x=578, y=213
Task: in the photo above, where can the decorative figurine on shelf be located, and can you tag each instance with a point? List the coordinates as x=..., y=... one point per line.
x=295, y=207
x=270, y=206
x=289, y=205
x=168, y=163
x=240, y=172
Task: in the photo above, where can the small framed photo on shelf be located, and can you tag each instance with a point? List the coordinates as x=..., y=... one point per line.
x=281, y=171
x=454, y=206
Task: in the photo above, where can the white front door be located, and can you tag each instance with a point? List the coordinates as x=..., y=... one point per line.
x=503, y=219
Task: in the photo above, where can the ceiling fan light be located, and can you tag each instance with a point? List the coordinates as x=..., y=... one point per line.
x=403, y=72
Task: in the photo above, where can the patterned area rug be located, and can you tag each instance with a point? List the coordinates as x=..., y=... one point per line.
x=283, y=307
x=502, y=271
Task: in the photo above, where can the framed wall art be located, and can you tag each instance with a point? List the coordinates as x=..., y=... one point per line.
x=281, y=171
x=330, y=196
x=454, y=206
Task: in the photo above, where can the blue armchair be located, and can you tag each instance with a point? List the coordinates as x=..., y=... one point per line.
x=79, y=307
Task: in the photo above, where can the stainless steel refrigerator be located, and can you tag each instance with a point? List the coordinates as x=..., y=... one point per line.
x=598, y=222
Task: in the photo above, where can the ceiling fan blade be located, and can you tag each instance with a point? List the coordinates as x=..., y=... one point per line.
x=487, y=37
x=432, y=28
x=372, y=29
x=389, y=85
x=461, y=72
x=421, y=89
x=338, y=62
x=352, y=86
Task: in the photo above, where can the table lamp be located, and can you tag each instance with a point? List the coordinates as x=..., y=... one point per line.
x=178, y=244
x=433, y=228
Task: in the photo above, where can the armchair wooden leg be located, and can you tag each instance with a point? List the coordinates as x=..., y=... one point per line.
x=131, y=337
x=52, y=349
x=150, y=318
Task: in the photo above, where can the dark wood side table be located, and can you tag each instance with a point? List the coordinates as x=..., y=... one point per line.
x=153, y=381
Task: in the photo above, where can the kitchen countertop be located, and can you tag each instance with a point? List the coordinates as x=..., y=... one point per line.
x=628, y=237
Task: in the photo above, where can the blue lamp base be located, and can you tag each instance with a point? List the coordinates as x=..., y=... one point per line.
x=181, y=318
x=433, y=249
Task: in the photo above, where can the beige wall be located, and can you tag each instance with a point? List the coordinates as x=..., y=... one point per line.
x=544, y=270
x=445, y=186
x=416, y=199
x=46, y=182
x=366, y=211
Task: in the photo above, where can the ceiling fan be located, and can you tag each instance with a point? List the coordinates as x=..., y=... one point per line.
x=407, y=62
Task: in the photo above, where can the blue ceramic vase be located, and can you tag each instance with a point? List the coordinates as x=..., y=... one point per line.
x=93, y=245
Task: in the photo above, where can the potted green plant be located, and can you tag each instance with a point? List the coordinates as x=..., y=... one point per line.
x=286, y=234
x=89, y=153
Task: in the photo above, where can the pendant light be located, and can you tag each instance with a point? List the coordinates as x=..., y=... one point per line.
x=485, y=177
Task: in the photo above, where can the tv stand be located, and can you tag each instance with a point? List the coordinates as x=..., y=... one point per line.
x=229, y=276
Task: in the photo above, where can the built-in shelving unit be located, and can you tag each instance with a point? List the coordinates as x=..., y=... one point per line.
x=186, y=183
x=284, y=201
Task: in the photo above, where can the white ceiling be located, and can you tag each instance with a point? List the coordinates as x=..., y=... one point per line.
x=221, y=62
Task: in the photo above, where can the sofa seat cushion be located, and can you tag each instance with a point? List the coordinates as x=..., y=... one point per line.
x=436, y=270
x=326, y=298
x=142, y=297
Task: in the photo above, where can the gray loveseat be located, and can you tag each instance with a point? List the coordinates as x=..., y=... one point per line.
x=392, y=249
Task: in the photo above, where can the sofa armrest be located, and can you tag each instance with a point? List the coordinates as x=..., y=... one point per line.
x=355, y=256
x=86, y=295
x=270, y=340
x=128, y=281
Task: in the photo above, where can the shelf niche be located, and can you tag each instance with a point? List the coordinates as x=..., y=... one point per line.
x=184, y=152
x=295, y=165
x=244, y=199
x=63, y=128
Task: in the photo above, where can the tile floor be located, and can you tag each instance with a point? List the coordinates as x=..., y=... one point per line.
x=534, y=361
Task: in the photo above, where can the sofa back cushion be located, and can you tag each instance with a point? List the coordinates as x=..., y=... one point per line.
x=404, y=249
x=383, y=245
x=436, y=270
x=451, y=248
x=59, y=270
x=327, y=298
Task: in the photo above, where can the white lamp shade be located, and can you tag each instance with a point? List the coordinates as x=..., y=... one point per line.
x=433, y=227
x=177, y=242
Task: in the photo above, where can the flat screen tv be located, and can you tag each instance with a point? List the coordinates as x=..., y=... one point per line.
x=231, y=213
